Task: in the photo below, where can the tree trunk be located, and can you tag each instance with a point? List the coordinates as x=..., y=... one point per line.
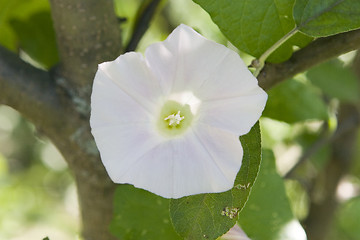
x=87, y=34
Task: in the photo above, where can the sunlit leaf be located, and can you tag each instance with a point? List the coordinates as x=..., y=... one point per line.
x=335, y=80
x=255, y=25
x=37, y=37
x=208, y=216
x=141, y=215
x=267, y=214
x=17, y=9
x=294, y=101
x=320, y=18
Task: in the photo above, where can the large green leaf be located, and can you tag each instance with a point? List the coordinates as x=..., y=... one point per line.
x=335, y=80
x=320, y=18
x=267, y=214
x=37, y=37
x=208, y=216
x=141, y=215
x=17, y=9
x=294, y=101
x=255, y=25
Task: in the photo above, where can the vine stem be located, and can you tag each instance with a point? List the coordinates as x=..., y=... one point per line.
x=260, y=63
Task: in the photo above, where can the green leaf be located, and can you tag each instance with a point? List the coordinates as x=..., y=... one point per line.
x=335, y=80
x=255, y=25
x=267, y=214
x=348, y=220
x=319, y=159
x=17, y=9
x=141, y=215
x=208, y=216
x=294, y=101
x=319, y=18
x=7, y=37
x=37, y=37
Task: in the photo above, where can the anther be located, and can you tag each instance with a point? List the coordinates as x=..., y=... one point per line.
x=174, y=119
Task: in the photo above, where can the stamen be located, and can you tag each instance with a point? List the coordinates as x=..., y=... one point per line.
x=174, y=120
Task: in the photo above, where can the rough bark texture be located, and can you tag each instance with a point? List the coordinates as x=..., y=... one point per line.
x=57, y=102
x=87, y=34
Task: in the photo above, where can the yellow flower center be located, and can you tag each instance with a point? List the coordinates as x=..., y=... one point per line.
x=174, y=118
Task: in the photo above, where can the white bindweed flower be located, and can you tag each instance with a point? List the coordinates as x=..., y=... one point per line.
x=235, y=233
x=170, y=122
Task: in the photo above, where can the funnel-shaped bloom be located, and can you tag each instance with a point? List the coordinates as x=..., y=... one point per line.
x=235, y=233
x=170, y=122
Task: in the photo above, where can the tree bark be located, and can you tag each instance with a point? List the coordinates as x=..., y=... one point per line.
x=33, y=93
x=87, y=34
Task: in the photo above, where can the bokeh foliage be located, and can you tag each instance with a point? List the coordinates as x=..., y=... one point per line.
x=33, y=190
x=37, y=193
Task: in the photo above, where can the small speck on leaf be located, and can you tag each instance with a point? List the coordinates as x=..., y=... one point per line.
x=230, y=212
x=242, y=186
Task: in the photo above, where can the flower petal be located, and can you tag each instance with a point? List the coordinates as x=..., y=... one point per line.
x=110, y=105
x=235, y=233
x=229, y=79
x=186, y=61
x=131, y=74
x=196, y=163
x=236, y=114
x=179, y=62
x=122, y=145
x=128, y=95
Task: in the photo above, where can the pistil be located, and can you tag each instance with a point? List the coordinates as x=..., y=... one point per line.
x=174, y=119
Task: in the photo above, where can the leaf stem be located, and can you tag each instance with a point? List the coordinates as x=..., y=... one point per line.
x=260, y=63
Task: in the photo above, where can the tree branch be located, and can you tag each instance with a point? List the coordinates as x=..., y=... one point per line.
x=142, y=24
x=322, y=210
x=87, y=33
x=316, y=52
x=29, y=90
x=343, y=145
x=323, y=139
x=34, y=93
x=352, y=122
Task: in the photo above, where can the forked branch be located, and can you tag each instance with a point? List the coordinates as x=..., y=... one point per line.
x=316, y=52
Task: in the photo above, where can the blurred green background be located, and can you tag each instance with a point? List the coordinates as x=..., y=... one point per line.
x=37, y=193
